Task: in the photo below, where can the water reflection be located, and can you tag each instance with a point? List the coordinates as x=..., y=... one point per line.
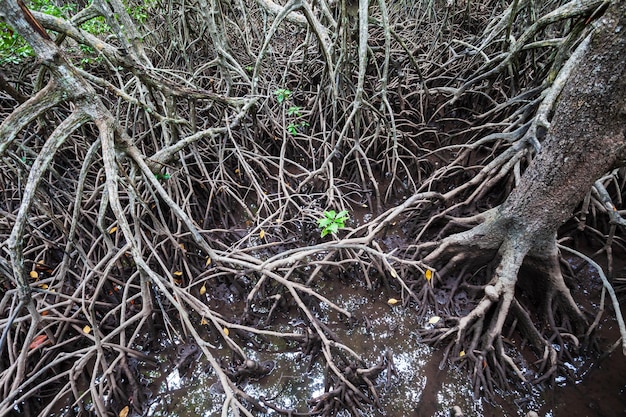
x=419, y=389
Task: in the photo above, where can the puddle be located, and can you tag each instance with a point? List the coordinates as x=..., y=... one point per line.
x=419, y=388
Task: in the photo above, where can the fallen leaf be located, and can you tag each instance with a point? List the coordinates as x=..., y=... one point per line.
x=392, y=301
x=182, y=246
x=262, y=234
x=112, y=230
x=461, y=354
x=203, y=289
x=394, y=274
x=178, y=273
x=38, y=341
x=428, y=275
x=226, y=331
x=434, y=319
x=34, y=274
x=87, y=329
x=124, y=412
x=44, y=286
x=203, y=321
x=208, y=261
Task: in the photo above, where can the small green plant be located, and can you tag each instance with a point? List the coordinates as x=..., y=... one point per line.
x=295, y=111
x=163, y=177
x=332, y=221
x=282, y=94
x=293, y=128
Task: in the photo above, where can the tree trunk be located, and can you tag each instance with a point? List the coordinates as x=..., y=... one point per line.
x=585, y=140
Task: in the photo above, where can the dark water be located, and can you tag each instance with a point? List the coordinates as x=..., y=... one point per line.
x=420, y=389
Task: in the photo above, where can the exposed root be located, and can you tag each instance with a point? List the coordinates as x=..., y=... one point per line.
x=479, y=338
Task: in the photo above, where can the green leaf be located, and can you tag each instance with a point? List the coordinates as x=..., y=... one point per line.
x=294, y=111
x=323, y=223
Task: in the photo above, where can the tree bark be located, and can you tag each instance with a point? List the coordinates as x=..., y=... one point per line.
x=585, y=140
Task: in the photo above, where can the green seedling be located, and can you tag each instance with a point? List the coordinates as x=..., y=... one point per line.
x=294, y=111
x=293, y=128
x=282, y=94
x=165, y=176
x=332, y=222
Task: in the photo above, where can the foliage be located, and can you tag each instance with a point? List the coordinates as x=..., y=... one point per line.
x=332, y=222
x=13, y=48
x=282, y=94
x=165, y=176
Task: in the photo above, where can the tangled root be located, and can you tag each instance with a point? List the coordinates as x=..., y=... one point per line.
x=479, y=335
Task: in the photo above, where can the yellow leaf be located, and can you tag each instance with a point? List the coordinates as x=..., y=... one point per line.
x=203, y=321
x=178, y=273
x=262, y=234
x=44, y=286
x=461, y=354
x=182, y=246
x=428, y=275
x=203, y=289
x=394, y=274
x=87, y=329
x=34, y=274
x=392, y=301
x=226, y=331
x=434, y=319
x=112, y=230
x=123, y=412
x=208, y=261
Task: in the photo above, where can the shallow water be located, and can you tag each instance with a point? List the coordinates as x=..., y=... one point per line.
x=419, y=389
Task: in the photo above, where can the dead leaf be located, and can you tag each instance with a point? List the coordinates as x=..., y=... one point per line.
x=112, y=230
x=392, y=301
x=428, y=275
x=124, y=412
x=178, y=273
x=38, y=341
x=208, y=261
x=203, y=289
x=87, y=329
x=226, y=331
x=262, y=234
x=434, y=319
x=34, y=274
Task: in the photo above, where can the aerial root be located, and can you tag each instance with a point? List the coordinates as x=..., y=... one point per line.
x=477, y=338
x=339, y=395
